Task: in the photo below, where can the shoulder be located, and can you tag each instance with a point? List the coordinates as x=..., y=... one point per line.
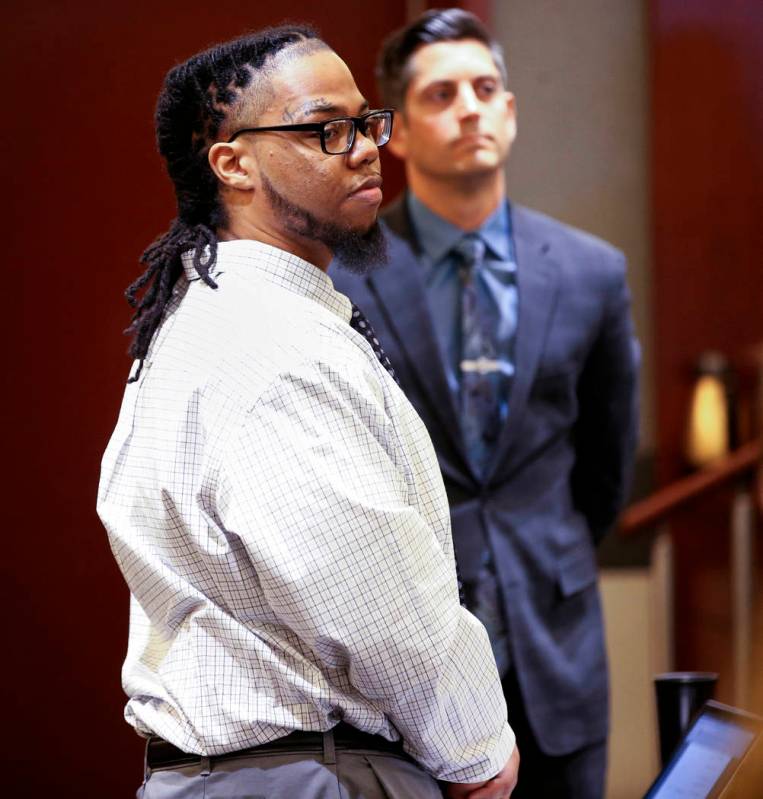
x=398, y=228
x=332, y=386
x=336, y=401
x=560, y=236
x=395, y=216
x=301, y=346
x=232, y=345
x=578, y=253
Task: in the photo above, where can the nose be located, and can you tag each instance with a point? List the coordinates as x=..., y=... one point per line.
x=467, y=101
x=364, y=150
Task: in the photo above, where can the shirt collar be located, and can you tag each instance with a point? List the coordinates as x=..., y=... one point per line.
x=254, y=260
x=437, y=236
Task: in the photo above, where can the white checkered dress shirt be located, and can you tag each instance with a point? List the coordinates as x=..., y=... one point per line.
x=276, y=507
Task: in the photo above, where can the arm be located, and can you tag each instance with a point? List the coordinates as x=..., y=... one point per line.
x=318, y=487
x=607, y=427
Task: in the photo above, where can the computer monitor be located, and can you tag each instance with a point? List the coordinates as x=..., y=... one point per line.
x=709, y=754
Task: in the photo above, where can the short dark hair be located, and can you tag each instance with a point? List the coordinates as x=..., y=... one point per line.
x=393, y=68
x=200, y=96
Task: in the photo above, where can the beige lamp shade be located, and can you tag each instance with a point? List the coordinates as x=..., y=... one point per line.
x=708, y=430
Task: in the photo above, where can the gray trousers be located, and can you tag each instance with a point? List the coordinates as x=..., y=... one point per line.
x=330, y=773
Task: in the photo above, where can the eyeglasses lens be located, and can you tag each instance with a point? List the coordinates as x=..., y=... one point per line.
x=377, y=127
x=337, y=135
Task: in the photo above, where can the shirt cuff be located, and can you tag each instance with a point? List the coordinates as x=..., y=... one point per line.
x=499, y=748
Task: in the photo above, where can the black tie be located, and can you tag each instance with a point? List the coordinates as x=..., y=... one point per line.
x=359, y=322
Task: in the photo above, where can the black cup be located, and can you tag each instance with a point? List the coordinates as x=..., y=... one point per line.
x=680, y=694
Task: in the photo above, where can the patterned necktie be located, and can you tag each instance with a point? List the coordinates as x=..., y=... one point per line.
x=480, y=420
x=480, y=373
x=359, y=322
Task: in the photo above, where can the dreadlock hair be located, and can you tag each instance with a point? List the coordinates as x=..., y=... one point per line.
x=393, y=67
x=198, y=96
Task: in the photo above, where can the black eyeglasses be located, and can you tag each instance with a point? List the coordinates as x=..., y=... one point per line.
x=338, y=135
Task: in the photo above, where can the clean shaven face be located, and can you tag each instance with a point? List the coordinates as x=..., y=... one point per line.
x=458, y=119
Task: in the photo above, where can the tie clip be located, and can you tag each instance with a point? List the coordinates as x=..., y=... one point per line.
x=481, y=365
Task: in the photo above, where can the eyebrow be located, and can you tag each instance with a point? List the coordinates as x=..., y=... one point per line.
x=450, y=81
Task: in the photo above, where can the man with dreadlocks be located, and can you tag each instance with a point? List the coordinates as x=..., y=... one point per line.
x=271, y=497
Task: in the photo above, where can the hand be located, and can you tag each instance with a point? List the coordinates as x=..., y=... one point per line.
x=500, y=787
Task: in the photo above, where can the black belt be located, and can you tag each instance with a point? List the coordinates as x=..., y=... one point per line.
x=162, y=754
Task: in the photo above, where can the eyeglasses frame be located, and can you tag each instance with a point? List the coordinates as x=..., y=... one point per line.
x=319, y=127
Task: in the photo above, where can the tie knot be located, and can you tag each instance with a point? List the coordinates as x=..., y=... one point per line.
x=470, y=250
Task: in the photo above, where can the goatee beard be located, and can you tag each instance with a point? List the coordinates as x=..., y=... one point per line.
x=357, y=251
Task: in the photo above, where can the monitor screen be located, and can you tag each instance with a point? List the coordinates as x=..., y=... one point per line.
x=708, y=755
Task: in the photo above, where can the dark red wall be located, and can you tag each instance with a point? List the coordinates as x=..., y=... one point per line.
x=84, y=193
x=707, y=174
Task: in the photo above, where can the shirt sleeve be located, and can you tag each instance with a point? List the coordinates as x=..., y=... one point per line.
x=318, y=485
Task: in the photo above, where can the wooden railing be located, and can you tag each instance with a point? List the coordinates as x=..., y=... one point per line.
x=660, y=505
x=739, y=468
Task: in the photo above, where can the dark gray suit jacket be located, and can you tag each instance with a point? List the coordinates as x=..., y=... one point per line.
x=563, y=461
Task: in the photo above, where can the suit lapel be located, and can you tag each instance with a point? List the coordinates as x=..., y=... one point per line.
x=537, y=285
x=400, y=292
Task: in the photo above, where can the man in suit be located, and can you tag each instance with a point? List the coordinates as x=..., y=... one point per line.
x=511, y=334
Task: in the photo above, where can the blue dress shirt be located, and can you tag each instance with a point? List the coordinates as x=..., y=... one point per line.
x=497, y=277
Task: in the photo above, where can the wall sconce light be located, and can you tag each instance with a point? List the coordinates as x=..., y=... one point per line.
x=711, y=413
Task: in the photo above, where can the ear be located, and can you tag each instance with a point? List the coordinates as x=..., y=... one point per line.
x=398, y=144
x=233, y=165
x=511, y=107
